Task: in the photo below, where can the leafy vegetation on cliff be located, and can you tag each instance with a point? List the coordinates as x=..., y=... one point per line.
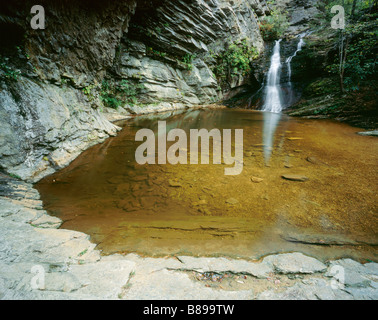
x=273, y=27
x=7, y=72
x=114, y=95
x=345, y=63
x=234, y=61
x=355, y=58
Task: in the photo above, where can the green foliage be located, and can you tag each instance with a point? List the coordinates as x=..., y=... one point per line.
x=83, y=252
x=7, y=72
x=124, y=92
x=236, y=60
x=350, y=6
x=361, y=52
x=15, y=176
x=353, y=50
x=188, y=61
x=321, y=87
x=108, y=97
x=88, y=91
x=110, y=101
x=155, y=53
x=158, y=30
x=274, y=26
x=129, y=91
x=328, y=110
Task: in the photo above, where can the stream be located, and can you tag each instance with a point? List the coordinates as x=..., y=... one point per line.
x=188, y=209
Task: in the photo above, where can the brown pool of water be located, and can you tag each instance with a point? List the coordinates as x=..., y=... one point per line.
x=126, y=207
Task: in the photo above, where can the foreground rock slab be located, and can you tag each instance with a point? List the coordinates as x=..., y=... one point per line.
x=294, y=263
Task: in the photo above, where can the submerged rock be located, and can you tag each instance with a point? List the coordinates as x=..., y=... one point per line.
x=295, y=177
x=199, y=203
x=312, y=160
x=232, y=201
x=174, y=184
x=256, y=179
x=294, y=138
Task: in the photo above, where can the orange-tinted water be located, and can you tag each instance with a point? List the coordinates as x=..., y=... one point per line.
x=126, y=207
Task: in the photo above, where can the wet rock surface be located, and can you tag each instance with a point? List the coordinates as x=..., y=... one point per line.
x=44, y=127
x=72, y=268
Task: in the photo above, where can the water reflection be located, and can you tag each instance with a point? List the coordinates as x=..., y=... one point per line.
x=211, y=119
x=271, y=121
x=197, y=210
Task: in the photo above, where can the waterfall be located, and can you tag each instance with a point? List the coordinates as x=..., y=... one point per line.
x=291, y=95
x=273, y=90
x=299, y=48
x=273, y=102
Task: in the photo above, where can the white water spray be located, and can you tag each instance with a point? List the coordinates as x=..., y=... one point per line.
x=299, y=48
x=273, y=89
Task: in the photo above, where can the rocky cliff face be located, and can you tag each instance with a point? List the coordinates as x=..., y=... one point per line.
x=46, y=120
x=169, y=48
x=78, y=43
x=44, y=127
x=302, y=19
x=161, y=53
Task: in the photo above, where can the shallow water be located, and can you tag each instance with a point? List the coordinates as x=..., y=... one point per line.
x=126, y=207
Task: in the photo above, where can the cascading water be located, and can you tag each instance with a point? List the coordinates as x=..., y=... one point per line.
x=290, y=95
x=273, y=90
x=273, y=104
x=299, y=48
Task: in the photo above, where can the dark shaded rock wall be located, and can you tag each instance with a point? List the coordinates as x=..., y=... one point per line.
x=46, y=120
x=79, y=40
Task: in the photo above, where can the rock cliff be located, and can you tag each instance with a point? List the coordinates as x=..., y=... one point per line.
x=137, y=55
